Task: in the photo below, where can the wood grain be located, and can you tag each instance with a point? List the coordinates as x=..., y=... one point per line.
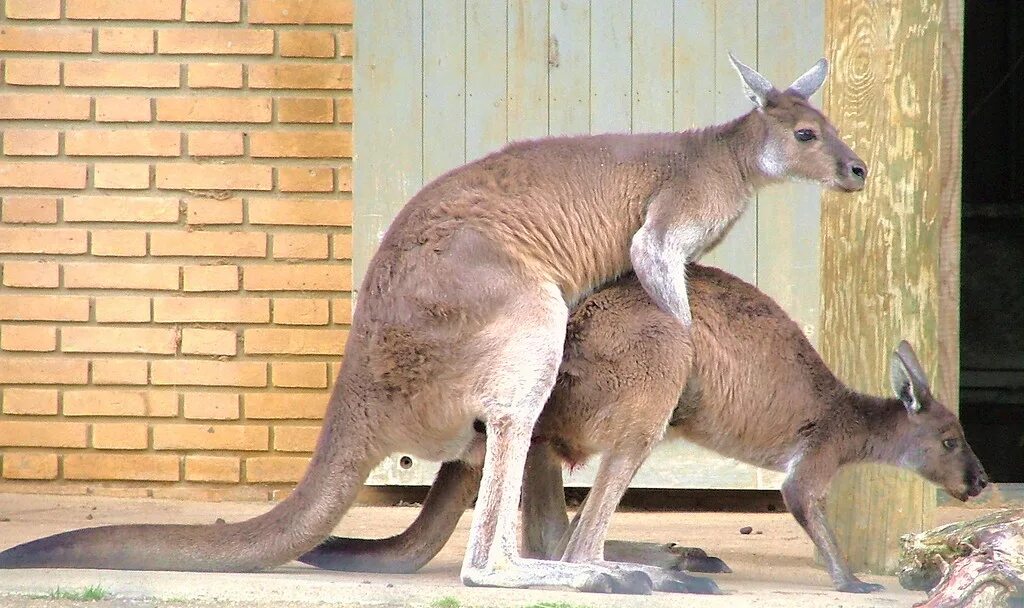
x=881, y=269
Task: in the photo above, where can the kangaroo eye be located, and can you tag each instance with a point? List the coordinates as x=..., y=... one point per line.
x=950, y=444
x=805, y=135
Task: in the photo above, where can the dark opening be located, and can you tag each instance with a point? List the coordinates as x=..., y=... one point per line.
x=992, y=245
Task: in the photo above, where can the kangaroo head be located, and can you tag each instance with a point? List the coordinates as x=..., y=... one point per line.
x=934, y=444
x=800, y=142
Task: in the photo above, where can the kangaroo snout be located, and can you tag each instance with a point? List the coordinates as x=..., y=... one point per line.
x=976, y=482
x=855, y=173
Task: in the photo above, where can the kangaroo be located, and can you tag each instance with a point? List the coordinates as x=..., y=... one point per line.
x=757, y=391
x=461, y=320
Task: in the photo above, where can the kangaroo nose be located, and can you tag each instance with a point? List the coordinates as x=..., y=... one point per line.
x=858, y=169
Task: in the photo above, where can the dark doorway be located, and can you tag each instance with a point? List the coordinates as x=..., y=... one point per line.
x=992, y=245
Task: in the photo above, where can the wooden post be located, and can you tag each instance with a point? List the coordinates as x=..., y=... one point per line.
x=890, y=254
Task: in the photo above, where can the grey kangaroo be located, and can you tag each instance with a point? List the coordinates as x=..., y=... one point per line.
x=461, y=320
x=757, y=391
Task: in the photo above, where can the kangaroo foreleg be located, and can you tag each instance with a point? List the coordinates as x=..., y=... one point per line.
x=453, y=491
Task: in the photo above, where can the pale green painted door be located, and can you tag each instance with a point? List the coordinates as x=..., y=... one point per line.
x=440, y=82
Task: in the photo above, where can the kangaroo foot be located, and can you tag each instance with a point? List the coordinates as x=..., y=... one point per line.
x=858, y=586
x=582, y=577
x=664, y=555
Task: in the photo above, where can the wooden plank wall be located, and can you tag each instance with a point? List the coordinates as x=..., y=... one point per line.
x=440, y=82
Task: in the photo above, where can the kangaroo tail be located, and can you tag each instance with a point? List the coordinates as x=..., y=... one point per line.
x=343, y=458
x=453, y=491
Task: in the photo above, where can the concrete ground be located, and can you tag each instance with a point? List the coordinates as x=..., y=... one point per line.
x=773, y=567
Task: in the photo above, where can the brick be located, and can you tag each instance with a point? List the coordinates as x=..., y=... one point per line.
x=71, y=176
x=210, y=278
x=105, y=402
x=215, y=143
x=44, y=308
x=212, y=406
x=285, y=406
x=210, y=437
x=345, y=178
x=209, y=373
x=121, y=467
x=30, y=402
x=210, y=310
x=298, y=43
x=216, y=41
x=46, y=39
x=120, y=436
x=32, y=9
x=201, y=211
x=295, y=341
x=295, y=438
x=28, y=338
x=300, y=311
x=149, y=340
x=29, y=210
x=305, y=144
x=306, y=277
x=118, y=243
x=299, y=375
x=333, y=76
x=135, y=40
x=341, y=244
x=338, y=12
x=214, y=109
x=29, y=465
x=305, y=212
x=346, y=44
x=120, y=209
x=105, y=73
x=121, y=176
x=184, y=176
x=345, y=109
x=121, y=275
x=201, y=243
x=37, y=72
x=48, y=434
x=122, y=309
x=42, y=240
x=128, y=10
x=270, y=469
x=305, y=179
x=215, y=75
x=212, y=468
x=208, y=342
x=122, y=142
x=341, y=310
x=305, y=110
x=44, y=107
x=130, y=372
x=31, y=274
x=123, y=108
x=213, y=11
x=300, y=246
x=31, y=142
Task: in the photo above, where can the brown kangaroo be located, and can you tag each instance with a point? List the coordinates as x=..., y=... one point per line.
x=461, y=319
x=757, y=391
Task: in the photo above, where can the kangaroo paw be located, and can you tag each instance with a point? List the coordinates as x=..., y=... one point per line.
x=858, y=586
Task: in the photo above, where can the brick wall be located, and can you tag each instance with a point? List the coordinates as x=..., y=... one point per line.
x=175, y=241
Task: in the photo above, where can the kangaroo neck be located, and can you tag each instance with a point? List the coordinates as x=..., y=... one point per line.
x=874, y=428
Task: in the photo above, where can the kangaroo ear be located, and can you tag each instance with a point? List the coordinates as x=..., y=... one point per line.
x=908, y=379
x=756, y=86
x=811, y=80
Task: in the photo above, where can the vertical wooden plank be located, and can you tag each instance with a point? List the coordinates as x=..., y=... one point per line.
x=569, y=67
x=486, y=78
x=790, y=38
x=736, y=31
x=694, y=64
x=527, y=68
x=610, y=66
x=444, y=86
x=881, y=256
x=652, y=65
x=387, y=163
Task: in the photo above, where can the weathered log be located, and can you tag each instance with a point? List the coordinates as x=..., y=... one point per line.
x=970, y=564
